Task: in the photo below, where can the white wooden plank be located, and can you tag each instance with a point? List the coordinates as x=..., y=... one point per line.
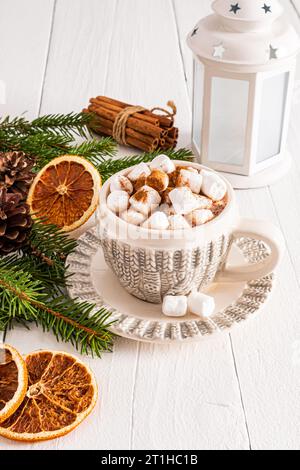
x=265, y=349
x=187, y=397
x=145, y=63
x=79, y=55
x=24, y=36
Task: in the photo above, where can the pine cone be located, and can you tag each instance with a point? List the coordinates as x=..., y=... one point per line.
x=15, y=222
x=16, y=172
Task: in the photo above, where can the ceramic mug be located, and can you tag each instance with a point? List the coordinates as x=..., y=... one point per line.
x=151, y=264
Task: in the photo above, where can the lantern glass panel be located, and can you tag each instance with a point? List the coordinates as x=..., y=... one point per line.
x=198, y=103
x=228, y=123
x=272, y=111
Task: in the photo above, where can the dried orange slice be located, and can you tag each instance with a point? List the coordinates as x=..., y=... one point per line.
x=13, y=381
x=65, y=192
x=61, y=393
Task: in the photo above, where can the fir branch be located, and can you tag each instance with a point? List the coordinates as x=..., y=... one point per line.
x=50, y=241
x=22, y=299
x=95, y=150
x=65, y=124
x=49, y=137
x=109, y=167
x=45, y=254
x=14, y=125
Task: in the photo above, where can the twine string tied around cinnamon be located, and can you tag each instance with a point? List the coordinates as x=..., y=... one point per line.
x=120, y=124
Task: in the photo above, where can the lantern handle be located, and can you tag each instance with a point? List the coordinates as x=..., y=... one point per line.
x=261, y=232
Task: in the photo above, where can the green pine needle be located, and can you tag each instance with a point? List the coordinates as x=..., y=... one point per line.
x=66, y=124
x=95, y=150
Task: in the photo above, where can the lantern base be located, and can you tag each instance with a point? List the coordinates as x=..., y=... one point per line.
x=264, y=178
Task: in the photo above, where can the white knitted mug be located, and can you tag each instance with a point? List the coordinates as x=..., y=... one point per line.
x=151, y=264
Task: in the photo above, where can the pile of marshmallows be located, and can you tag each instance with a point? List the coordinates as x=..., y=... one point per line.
x=161, y=196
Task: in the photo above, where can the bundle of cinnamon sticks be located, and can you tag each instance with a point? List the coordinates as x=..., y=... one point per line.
x=144, y=130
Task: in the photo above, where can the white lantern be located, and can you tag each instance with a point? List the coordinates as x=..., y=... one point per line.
x=244, y=69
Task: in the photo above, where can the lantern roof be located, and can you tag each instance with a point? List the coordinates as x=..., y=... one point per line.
x=245, y=33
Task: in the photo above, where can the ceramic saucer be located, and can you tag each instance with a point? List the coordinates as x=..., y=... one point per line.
x=94, y=282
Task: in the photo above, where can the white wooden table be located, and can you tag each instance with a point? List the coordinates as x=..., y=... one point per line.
x=234, y=391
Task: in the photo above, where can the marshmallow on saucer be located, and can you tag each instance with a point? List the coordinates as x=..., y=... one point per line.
x=157, y=221
x=213, y=186
x=183, y=200
x=117, y=201
x=121, y=183
x=199, y=217
x=163, y=163
x=174, y=306
x=201, y=304
x=178, y=222
x=133, y=217
x=145, y=200
x=158, y=180
x=190, y=179
x=140, y=170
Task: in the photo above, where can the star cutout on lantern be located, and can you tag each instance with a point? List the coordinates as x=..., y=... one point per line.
x=219, y=51
x=195, y=31
x=267, y=8
x=235, y=8
x=273, y=52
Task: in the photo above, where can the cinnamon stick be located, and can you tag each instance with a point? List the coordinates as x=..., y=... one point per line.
x=114, y=107
x=129, y=132
x=164, y=121
x=130, y=140
x=133, y=123
x=173, y=133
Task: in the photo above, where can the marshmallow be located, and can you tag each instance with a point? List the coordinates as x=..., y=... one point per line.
x=201, y=304
x=133, y=217
x=213, y=186
x=174, y=306
x=178, y=222
x=145, y=200
x=189, y=168
x=203, y=202
x=190, y=179
x=163, y=163
x=199, y=217
x=158, y=180
x=157, y=221
x=121, y=183
x=139, y=170
x=167, y=209
x=117, y=201
x=183, y=200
